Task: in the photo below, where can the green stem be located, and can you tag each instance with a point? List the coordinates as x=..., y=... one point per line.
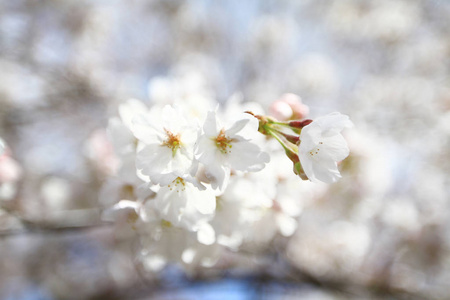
x=275, y=134
x=281, y=123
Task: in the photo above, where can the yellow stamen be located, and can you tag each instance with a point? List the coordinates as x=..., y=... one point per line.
x=223, y=142
x=173, y=141
x=165, y=223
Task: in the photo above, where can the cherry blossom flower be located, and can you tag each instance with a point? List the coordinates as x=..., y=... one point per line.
x=221, y=150
x=322, y=146
x=123, y=141
x=168, y=150
x=184, y=205
x=243, y=208
x=127, y=216
x=169, y=244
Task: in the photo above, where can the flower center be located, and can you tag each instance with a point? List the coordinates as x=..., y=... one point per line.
x=165, y=223
x=178, y=184
x=316, y=150
x=132, y=218
x=223, y=142
x=172, y=141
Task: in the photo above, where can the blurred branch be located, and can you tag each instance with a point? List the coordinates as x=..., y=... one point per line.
x=31, y=228
x=277, y=271
x=58, y=222
x=264, y=284
x=341, y=285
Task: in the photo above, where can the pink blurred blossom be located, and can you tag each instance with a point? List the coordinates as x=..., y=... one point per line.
x=10, y=170
x=288, y=107
x=100, y=150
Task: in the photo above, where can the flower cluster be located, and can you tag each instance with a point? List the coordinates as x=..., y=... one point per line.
x=193, y=181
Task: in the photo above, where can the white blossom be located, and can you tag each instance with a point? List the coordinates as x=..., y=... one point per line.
x=221, y=149
x=123, y=140
x=322, y=146
x=174, y=172
x=251, y=217
x=127, y=216
x=169, y=244
x=184, y=205
x=168, y=150
x=163, y=242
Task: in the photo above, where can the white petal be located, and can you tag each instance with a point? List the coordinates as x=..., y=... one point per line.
x=233, y=241
x=326, y=171
x=188, y=255
x=171, y=204
x=145, y=131
x=206, y=151
x=307, y=165
x=120, y=136
x=206, y=234
x=120, y=209
x=238, y=126
x=154, y=159
x=129, y=109
x=218, y=175
x=246, y=156
x=2, y=147
x=286, y=224
x=335, y=147
x=155, y=262
x=210, y=128
x=204, y=201
x=333, y=123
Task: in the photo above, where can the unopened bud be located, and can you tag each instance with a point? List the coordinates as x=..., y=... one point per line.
x=292, y=156
x=289, y=106
x=298, y=169
x=300, y=124
x=281, y=110
x=294, y=139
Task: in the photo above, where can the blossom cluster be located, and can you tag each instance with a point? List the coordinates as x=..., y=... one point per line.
x=192, y=181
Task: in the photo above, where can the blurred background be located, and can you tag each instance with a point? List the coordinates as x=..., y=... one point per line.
x=382, y=232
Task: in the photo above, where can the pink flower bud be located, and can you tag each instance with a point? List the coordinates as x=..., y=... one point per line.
x=281, y=110
x=10, y=170
x=100, y=150
x=288, y=107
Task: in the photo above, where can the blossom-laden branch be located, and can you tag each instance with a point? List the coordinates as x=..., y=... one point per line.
x=195, y=180
x=198, y=181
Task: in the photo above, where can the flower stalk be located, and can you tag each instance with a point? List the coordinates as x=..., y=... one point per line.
x=290, y=142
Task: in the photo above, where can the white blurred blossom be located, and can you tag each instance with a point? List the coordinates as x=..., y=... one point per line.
x=2, y=147
x=10, y=173
x=184, y=205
